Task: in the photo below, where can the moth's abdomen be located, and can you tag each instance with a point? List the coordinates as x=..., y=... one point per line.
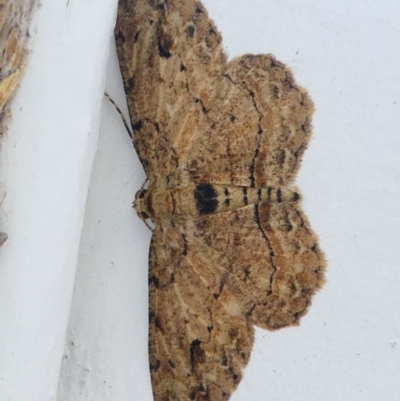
x=215, y=198
x=195, y=200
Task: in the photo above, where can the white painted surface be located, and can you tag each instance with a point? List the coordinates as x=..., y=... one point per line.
x=106, y=350
x=347, y=56
x=45, y=168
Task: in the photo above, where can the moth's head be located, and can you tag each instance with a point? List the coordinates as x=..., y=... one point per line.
x=140, y=204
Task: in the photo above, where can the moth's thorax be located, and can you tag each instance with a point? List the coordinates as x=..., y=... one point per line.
x=160, y=203
x=193, y=200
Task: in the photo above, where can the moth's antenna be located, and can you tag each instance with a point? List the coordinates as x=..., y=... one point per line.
x=120, y=114
x=145, y=182
x=148, y=225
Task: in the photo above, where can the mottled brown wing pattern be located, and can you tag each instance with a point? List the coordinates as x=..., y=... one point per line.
x=267, y=255
x=200, y=341
x=220, y=142
x=207, y=290
x=171, y=56
x=257, y=128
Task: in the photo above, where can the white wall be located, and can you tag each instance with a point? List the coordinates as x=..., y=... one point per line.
x=45, y=168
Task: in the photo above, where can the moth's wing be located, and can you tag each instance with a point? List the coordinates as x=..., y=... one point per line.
x=257, y=129
x=170, y=56
x=267, y=255
x=211, y=280
x=199, y=339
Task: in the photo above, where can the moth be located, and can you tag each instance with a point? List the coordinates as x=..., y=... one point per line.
x=221, y=142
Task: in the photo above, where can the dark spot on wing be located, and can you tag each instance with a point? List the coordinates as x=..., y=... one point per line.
x=199, y=8
x=158, y=323
x=197, y=354
x=153, y=280
x=119, y=37
x=136, y=126
x=185, y=245
x=165, y=43
x=189, y=31
x=281, y=157
x=156, y=4
x=129, y=85
x=236, y=378
x=155, y=366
